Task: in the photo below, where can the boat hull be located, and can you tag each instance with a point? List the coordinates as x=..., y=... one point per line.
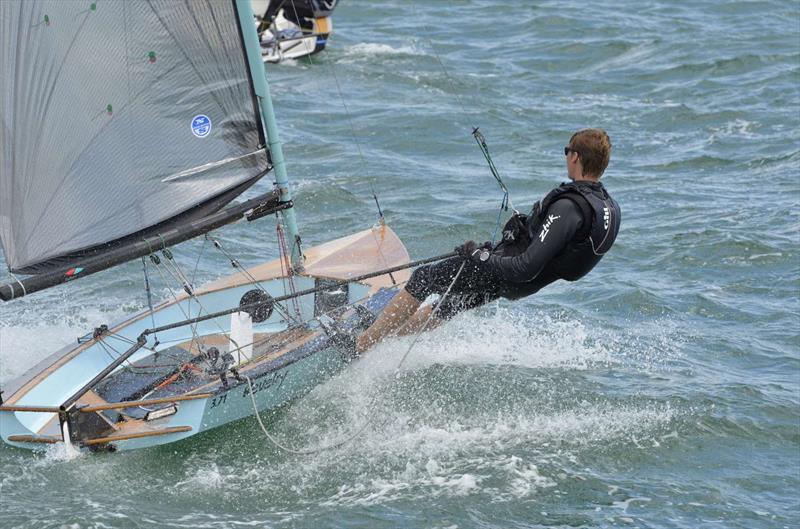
x=270, y=391
x=293, y=356
x=288, y=41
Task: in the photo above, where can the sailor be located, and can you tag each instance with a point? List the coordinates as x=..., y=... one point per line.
x=565, y=235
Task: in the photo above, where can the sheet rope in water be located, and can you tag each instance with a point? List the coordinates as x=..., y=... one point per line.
x=370, y=417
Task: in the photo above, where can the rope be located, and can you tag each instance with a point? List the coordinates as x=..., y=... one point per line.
x=369, y=419
x=24, y=293
x=476, y=133
x=430, y=317
x=202, y=308
x=506, y=201
x=288, y=273
x=178, y=273
x=272, y=439
x=242, y=270
x=364, y=165
x=149, y=297
x=438, y=58
x=196, y=338
x=199, y=256
x=106, y=346
x=127, y=340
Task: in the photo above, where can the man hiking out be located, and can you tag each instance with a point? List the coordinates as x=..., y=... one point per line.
x=564, y=237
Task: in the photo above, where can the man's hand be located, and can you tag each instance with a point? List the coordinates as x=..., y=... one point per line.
x=466, y=249
x=471, y=249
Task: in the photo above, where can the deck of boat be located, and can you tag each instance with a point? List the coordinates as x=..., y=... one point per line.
x=123, y=413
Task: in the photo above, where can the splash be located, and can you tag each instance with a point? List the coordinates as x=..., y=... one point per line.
x=461, y=420
x=206, y=476
x=509, y=337
x=503, y=458
x=33, y=337
x=369, y=50
x=501, y=336
x=59, y=453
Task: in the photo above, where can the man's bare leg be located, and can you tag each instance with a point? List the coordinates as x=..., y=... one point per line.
x=417, y=321
x=402, y=306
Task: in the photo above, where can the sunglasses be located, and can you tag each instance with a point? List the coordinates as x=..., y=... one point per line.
x=567, y=150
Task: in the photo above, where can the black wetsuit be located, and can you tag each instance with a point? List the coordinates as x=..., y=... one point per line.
x=564, y=237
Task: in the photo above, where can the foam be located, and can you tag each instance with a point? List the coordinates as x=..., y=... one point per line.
x=25, y=342
x=206, y=476
x=59, y=452
x=413, y=450
x=368, y=50
x=465, y=458
x=501, y=336
x=737, y=128
x=509, y=338
x=417, y=448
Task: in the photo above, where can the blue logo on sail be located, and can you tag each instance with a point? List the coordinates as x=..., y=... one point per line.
x=201, y=126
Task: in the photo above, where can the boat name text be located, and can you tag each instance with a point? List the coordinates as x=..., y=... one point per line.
x=276, y=378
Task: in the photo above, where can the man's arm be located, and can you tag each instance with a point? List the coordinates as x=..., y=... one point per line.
x=562, y=221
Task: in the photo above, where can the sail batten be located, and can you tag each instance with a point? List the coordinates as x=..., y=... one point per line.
x=207, y=167
x=115, y=117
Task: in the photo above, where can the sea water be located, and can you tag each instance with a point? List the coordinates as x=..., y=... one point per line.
x=661, y=391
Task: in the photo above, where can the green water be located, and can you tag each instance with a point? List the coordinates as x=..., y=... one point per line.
x=661, y=391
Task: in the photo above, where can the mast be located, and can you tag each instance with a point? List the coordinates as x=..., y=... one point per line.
x=261, y=86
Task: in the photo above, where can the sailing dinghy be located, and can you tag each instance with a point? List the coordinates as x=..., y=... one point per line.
x=114, y=149
x=291, y=29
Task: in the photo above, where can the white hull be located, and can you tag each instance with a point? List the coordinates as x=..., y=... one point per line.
x=284, y=40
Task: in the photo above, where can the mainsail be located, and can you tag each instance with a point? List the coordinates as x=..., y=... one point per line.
x=118, y=116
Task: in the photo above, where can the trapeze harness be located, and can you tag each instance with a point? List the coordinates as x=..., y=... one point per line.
x=601, y=219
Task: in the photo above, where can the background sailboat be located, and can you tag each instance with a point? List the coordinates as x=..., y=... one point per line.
x=290, y=29
x=184, y=125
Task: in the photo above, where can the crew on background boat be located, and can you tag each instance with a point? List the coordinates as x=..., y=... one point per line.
x=290, y=29
x=564, y=237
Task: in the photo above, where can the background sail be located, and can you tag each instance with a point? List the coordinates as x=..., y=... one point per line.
x=116, y=116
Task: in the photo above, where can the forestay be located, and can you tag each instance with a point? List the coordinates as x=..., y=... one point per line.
x=118, y=116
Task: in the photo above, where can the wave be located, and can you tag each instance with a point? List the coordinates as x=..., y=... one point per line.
x=371, y=50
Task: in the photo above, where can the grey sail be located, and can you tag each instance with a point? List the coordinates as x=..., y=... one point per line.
x=118, y=116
